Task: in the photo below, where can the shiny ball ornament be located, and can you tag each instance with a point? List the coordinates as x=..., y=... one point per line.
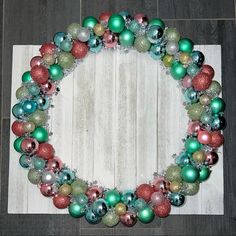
x=34, y=176
x=134, y=26
x=168, y=60
x=185, y=45
x=73, y=29
x=17, y=144
x=104, y=17
x=162, y=210
x=54, y=164
x=45, y=151
x=56, y=72
x=25, y=161
x=29, y=145
x=154, y=33
x=120, y=208
x=47, y=190
x=83, y=34
x=139, y=204
x=199, y=156
x=178, y=71
x=34, y=89
x=112, y=197
x=201, y=81
x=172, y=34
x=29, y=106
x=205, y=99
x=39, y=118
x=110, y=219
x=146, y=215
x=176, y=199
x=116, y=23
x=99, y=29
x=189, y=173
x=192, y=145
x=110, y=40
x=76, y=210
x=48, y=177
x=79, y=186
x=79, y=49
x=190, y=188
x=128, y=219
x=193, y=70
x=126, y=38
x=217, y=105
x=141, y=18
x=91, y=217
x=193, y=127
x=48, y=88
x=157, y=21
x=65, y=60
x=65, y=190
x=39, y=74
x=195, y=111
x=211, y=158
x=58, y=38
x=218, y=123
x=43, y=102
x=93, y=193
x=207, y=69
x=22, y=93
x=173, y=173
x=61, y=202
x=89, y=22
x=182, y=159
x=206, y=118
x=175, y=186
x=82, y=199
x=38, y=163
x=186, y=81
x=184, y=58
x=66, y=176
x=35, y=61
x=99, y=207
x=66, y=45
x=126, y=15
x=204, y=173
x=157, y=51
x=18, y=128
x=157, y=198
x=204, y=137
x=95, y=44
x=161, y=184
x=26, y=77
x=172, y=48
x=47, y=48
x=190, y=95
x=217, y=139
x=128, y=197
x=145, y=191
x=214, y=89
x=142, y=44
x=197, y=58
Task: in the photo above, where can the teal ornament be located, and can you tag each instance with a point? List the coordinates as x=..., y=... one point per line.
x=217, y=105
x=197, y=58
x=99, y=207
x=58, y=38
x=126, y=15
x=34, y=89
x=139, y=204
x=95, y=44
x=182, y=159
x=25, y=161
x=29, y=106
x=157, y=21
x=76, y=210
x=91, y=217
x=17, y=110
x=176, y=199
x=189, y=173
x=126, y=38
x=56, y=72
x=178, y=71
x=134, y=26
x=206, y=118
x=66, y=45
x=190, y=95
x=154, y=33
x=204, y=173
x=192, y=70
x=157, y=51
x=42, y=102
x=66, y=176
x=128, y=197
x=112, y=197
x=218, y=123
x=38, y=163
x=146, y=215
x=81, y=199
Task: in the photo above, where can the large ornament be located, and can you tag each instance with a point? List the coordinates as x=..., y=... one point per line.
x=189, y=173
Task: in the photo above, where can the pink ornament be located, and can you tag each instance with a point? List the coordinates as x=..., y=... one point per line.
x=204, y=137
x=48, y=88
x=162, y=210
x=93, y=193
x=161, y=184
x=55, y=164
x=128, y=219
x=47, y=190
x=193, y=127
x=157, y=198
x=211, y=158
x=110, y=39
x=187, y=81
x=29, y=145
x=35, y=61
x=141, y=18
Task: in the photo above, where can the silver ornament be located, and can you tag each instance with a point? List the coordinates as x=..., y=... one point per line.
x=172, y=48
x=48, y=177
x=83, y=34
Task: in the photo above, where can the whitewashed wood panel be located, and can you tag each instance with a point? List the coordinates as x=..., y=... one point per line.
x=118, y=118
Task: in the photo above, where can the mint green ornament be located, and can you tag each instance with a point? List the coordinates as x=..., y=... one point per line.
x=112, y=197
x=73, y=29
x=140, y=204
x=217, y=105
x=178, y=71
x=146, y=215
x=134, y=26
x=204, y=173
x=189, y=173
x=157, y=21
x=34, y=176
x=192, y=145
x=192, y=69
x=66, y=45
x=89, y=22
x=76, y=210
x=26, y=77
x=142, y=44
x=195, y=111
x=110, y=219
x=126, y=38
x=190, y=188
x=65, y=60
x=185, y=45
x=56, y=72
x=38, y=163
x=116, y=23
x=22, y=92
x=33, y=89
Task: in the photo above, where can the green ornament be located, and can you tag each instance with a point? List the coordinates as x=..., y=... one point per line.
x=65, y=60
x=76, y=210
x=217, y=105
x=192, y=69
x=79, y=186
x=17, y=144
x=134, y=26
x=185, y=45
x=110, y=219
x=82, y=199
x=157, y=21
x=126, y=38
x=139, y=204
x=192, y=145
x=89, y=22
x=26, y=77
x=22, y=93
x=142, y=44
x=40, y=134
x=195, y=111
x=39, y=118
x=190, y=188
x=112, y=197
x=204, y=173
x=215, y=89
x=56, y=72
x=73, y=29
x=116, y=23
x=34, y=176
x=173, y=173
x=189, y=173
x=178, y=71
x=171, y=34
x=39, y=163
x=146, y=215
x=206, y=118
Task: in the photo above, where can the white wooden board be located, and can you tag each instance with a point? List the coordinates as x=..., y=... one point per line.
x=117, y=119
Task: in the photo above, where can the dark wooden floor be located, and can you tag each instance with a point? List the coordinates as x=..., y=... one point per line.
x=204, y=21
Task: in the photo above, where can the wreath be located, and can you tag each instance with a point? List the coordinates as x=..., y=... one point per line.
x=58, y=58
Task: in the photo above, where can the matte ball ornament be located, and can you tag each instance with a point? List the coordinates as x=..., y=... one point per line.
x=157, y=198
x=192, y=145
x=184, y=58
x=207, y=69
x=185, y=45
x=141, y=43
x=178, y=71
x=197, y=58
x=218, y=123
x=120, y=208
x=95, y=44
x=79, y=186
x=116, y=23
x=47, y=48
x=172, y=48
x=168, y=60
x=206, y=118
x=49, y=59
x=93, y=193
x=65, y=190
x=76, y=210
x=176, y=199
x=38, y=163
x=190, y=188
x=110, y=39
x=141, y=18
x=45, y=151
x=144, y=191
x=173, y=173
x=22, y=93
x=205, y=99
x=199, y=156
x=17, y=144
x=34, y=89
x=182, y=159
x=128, y=197
x=189, y=173
x=99, y=29
x=129, y=219
x=217, y=105
x=134, y=26
x=66, y=60
x=83, y=34
x=54, y=164
x=204, y=173
x=157, y=21
x=47, y=190
x=34, y=176
x=89, y=22
x=59, y=37
x=193, y=70
x=29, y=106
x=211, y=158
x=39, y=74
x=18, y=128
x=66, y=176
x=29, y=145
x=154, y=33
x=61, y=202
x=172, y=34
x=35, y=61
x=195, y=111
x=91, y=217
x=204, y=137
x=217, y=139
x=157, y=51
x=66, y=45
x=56, y=72
x=162, y=210
x=161, y=184
x=73, y=29
x=25, y=161
x=126, y=38
x=175, y=186
x=214, y=89
x=146, y=215
x=139, y=204
x=79, y=49
x=201, y=81
x=190, y=95
x=99, y=207
x=112, y=197
x=104, y=17
x=110, y=219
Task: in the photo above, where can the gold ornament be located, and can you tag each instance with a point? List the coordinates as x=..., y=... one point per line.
x=199, y=156
x=205, y=100
x=99, y=29
x=184, y=58
x=120, y=209
x=49, y=59
x=175, y=186
x=168, y=60
x=65, y=189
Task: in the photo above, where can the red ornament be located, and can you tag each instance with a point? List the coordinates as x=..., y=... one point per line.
x=162, y=210
x=61, y=202
x=79, y=49
x=207, y=69
x=46, y=190
x=141, y=18
x=47, y=48
x=48, y=88
x=201, y=81
x=29, y=145
x=39, y=74
x=161, y=184
x=211, y=158
x=145, y=191
x=18, y=128
x=35, y=61
x=54, y=164
x=217, y=139
x=45, y=151
x=104, y=17
x=204, y=137
x=110, y=39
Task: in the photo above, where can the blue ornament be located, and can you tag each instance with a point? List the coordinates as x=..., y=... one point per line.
x=29, y=106
x=197, y=58
x=99, y=207
x=193, y=69
x=218, y=123
x=190, y=95
x=95, y=44
x=82, y=199
x=34, y=89
x=126, y=15
x=139, y=204
x=128, y=197
x=59, y=37
x=17, y=110
x=91, y=217
x=154, y=34
x=157, y=51
x=176, y=199
x=182, y=159
x=66, y=176
x=25, y=161
x=43, y=103
x=66, y=45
